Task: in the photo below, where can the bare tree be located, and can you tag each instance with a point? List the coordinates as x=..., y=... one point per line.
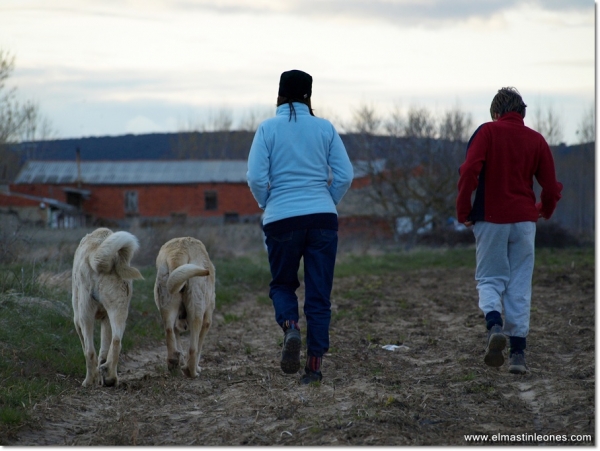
x=220, y=120
x=34, y=128
x=252, y=119
x=366, y=120
x=10, y=114
x=582, y=175
x=9, y=161
x=586, y=131
x=456, y=125
x=214, y=137
x=395, y=125
x=363, y=129
x=420, y=124
x=549, y=123
x=416, y=187
x=204, y=139
x=575, y=168
x=18, y=122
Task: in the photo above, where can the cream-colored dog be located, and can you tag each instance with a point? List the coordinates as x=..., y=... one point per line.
x=184, y=293
x=102, y=289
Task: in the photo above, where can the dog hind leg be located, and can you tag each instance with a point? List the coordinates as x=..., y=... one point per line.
x=108, y=370
x=191, y=367
x=206, y=323
x=85, y=329
x=169, y=316
x=105, y=339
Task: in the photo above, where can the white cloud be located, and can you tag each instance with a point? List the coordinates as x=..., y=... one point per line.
x=169, y=57
x=141, y=124
x=399, y=12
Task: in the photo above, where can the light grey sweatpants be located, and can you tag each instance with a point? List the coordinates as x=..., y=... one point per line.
x=505, y=258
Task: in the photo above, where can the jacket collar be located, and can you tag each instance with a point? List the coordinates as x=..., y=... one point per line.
x=511, y=116
x=300, y=108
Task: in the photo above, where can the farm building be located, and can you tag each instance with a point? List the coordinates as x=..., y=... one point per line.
x=71, y=194
x=118, y=192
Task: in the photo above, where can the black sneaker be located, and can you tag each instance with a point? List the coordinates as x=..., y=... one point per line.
x=310, y=377
x=290, y=354
x=495, y=345
x=517, y=363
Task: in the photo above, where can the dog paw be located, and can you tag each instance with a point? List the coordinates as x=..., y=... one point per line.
x=186, y=371
x=107, y=381
x=91, y=379
x=174, y=361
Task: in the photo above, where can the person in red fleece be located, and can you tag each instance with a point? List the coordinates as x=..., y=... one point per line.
x=502, y=159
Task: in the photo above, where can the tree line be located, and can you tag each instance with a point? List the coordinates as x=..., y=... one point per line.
x=412, y=157
x=19, y=120
x=414, y=170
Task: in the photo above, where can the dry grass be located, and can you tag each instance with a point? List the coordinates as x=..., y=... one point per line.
x=431, y=391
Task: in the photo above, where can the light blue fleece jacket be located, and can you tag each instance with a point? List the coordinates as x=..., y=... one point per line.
x=289, y=161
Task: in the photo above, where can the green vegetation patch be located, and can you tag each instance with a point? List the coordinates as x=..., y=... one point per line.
x=143, y=322
x=40, y=352
x=566, y=257
x=238, y=276
x=354, y=265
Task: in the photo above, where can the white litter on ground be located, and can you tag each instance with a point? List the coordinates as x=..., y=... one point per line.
x=394, y=347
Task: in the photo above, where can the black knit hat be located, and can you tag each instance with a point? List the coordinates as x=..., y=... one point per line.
x=295, y=84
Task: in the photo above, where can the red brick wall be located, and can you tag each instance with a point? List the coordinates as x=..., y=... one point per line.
x=366, y=225
x=7, y=200
x=160, y=201
x=51, y=191
x=155, y=201
x=361, y=182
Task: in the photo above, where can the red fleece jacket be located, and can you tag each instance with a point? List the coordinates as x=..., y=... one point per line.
x=502, y=159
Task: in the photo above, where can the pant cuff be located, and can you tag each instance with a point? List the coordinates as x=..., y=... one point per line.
x=517, y=344
x=492, y=318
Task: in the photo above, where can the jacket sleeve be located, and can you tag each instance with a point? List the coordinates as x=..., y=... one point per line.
x=258, y=168
x=551, y=188
x=469, y=173
x=341, y=167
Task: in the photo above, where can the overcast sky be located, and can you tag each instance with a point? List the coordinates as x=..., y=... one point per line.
x=110, y=67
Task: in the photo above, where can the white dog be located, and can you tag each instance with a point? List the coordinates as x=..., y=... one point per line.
x=184, y=293
x=102, y=289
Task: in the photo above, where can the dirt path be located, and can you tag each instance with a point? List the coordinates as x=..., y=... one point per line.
x=430, y=391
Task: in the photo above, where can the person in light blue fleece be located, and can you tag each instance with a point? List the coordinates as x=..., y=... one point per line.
x=291, y=159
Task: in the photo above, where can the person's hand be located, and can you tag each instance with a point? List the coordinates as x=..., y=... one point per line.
x=468, y=223
x=538, y=206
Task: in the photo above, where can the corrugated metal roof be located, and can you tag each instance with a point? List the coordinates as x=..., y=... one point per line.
x=134, y=172
x=48, y=201
x=149, y=172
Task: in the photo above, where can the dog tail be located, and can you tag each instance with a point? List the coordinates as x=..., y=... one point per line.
x=116, y=251
x=179, y=277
